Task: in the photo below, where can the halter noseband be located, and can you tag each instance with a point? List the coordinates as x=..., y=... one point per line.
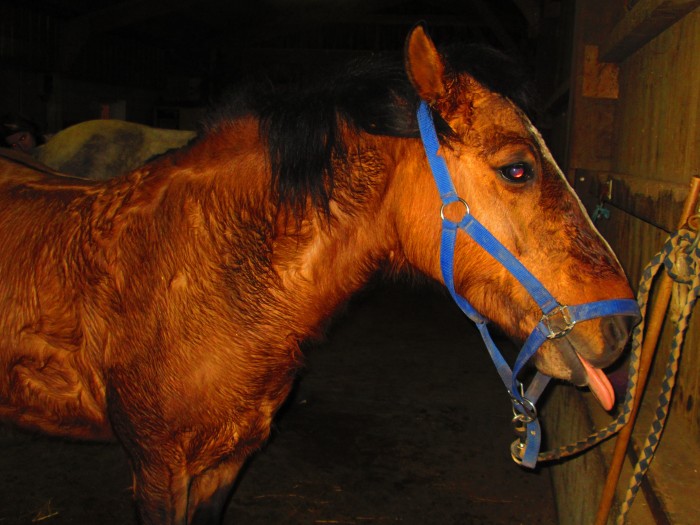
x=557, y=320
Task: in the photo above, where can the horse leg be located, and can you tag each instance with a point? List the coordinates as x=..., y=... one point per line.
x=165, y=495
x=169, y=498
x=209, y=492
x=160, y=494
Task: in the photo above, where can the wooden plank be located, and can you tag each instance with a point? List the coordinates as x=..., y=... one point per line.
x=599, y=78
x=658, y=203
x=591, y=120
x=647, y=19
x=657, y=120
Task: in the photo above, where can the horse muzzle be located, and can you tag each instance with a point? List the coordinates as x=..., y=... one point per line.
x=580, y=355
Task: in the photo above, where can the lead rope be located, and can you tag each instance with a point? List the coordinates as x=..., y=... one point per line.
x=682, y=262
x=681, y=257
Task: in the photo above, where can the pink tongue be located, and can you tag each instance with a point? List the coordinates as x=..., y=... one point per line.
x=599, y=385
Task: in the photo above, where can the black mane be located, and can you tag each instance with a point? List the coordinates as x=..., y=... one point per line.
x=301, y=122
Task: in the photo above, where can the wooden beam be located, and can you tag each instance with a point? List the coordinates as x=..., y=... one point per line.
x=591, y=120
x=656, y=202
x=646, y=20
x=600, y=79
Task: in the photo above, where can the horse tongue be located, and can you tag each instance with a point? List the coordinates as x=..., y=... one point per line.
x=599, y=385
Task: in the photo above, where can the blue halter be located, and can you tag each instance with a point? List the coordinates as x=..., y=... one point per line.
x=557, y=320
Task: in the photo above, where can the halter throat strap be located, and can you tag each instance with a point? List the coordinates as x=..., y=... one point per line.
x=557, y=320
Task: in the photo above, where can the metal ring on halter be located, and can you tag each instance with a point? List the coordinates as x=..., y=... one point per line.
x=524, y=410
x=459, y=199
x=558, y=322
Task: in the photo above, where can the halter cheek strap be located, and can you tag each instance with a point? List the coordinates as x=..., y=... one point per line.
x=557, y=320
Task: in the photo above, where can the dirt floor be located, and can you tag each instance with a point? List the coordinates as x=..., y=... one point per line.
x=399, y=417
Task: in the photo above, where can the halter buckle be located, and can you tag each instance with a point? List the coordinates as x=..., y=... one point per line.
x=558, y=322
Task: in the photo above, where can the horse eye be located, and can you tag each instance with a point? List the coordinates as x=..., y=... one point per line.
x=519, y=172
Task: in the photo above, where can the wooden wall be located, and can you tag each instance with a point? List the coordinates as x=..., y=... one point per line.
x=655, y=147
x=657, y=126
x=657, y=137
x=634, y=145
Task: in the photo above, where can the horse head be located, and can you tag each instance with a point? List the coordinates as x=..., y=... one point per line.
x=508, y=180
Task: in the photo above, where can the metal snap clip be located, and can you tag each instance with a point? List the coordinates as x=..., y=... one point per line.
x=517, y=451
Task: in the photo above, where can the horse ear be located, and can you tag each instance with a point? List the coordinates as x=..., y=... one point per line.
x=424, y=65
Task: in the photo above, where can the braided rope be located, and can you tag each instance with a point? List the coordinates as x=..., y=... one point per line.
x=672, y=244
x=681, y=265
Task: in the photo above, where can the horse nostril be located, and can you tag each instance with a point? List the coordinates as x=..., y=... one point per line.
x=616, y=330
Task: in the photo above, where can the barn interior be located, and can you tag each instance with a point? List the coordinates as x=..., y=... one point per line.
x=398, y=416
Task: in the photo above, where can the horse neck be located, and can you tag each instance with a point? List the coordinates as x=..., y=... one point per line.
x=324, y=260
x=299, y=269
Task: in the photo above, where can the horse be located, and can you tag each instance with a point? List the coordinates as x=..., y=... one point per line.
x=165, y=308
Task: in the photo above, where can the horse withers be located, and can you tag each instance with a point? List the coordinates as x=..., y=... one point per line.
x=165, y=308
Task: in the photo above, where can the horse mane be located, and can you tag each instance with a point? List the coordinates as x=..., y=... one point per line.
x=304, y=123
